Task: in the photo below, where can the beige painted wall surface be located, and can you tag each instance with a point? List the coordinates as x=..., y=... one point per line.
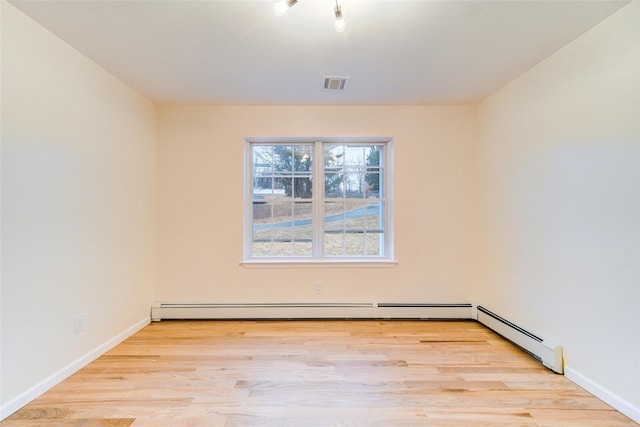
x=78, y=204
x=559, y=162
x=200, y=216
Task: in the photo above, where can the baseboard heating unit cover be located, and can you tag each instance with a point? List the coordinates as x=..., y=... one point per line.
x=160, y=311
x=547, y=351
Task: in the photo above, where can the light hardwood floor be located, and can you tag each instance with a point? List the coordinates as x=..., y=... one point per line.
x=316, y=373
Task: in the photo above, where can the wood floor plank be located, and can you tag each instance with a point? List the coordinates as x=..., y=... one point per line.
x=316, y=373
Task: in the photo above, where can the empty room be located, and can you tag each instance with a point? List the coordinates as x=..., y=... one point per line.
x=320, y=213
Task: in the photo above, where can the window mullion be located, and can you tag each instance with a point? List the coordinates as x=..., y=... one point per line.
x=318, y=200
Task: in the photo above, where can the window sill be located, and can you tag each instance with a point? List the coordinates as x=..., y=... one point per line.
x=319, y=264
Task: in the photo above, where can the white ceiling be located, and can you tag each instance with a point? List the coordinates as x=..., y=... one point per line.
x=394, y=51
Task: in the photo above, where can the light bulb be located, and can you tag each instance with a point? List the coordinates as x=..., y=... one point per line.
x=280, y=7
x=340, y=24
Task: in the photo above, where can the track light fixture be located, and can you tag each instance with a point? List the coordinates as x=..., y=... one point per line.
x=283, y=5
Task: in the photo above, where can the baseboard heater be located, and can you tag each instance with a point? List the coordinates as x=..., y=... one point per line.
x=160, y=311
x=547, y=351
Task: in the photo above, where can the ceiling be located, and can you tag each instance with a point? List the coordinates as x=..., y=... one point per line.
x=238, y=52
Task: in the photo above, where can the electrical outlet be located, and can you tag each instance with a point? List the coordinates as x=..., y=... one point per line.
x=79, y=322
x=319, y=288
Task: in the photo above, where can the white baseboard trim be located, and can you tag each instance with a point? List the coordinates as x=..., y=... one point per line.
x=38, y=389
x=618, y=403
x=310, y=310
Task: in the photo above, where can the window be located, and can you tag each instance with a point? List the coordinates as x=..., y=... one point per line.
x=290, y=217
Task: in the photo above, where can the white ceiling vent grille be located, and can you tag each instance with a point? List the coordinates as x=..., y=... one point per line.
x=334, y=84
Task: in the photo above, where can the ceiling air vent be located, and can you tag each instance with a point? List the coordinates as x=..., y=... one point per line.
x=334, y=84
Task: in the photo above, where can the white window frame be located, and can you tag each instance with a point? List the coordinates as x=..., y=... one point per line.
x=385, y=260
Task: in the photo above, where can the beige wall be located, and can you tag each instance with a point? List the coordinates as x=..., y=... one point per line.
x=78, y=206
x=559, y=173
x=200, y=215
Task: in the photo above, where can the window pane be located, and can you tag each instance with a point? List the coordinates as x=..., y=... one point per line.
x=374, y=229
x=353, y=227
x=334, y=243
x=262, y=159
x=354, y=243
x=354, y=156
x=334, y=215
x=283, y=185
x=374, y=171
x=374, y=186
x=271, y=170
x=354, y=185
x=262, y=240
x=303, y=249
x=262, y=186
x=302, y=229
x=302, y=188
x=333, y=157
x=374, y=216
x=333, y=187
x=302, y=233
x=374, y=244
x=302, y=171
x=262, y=171
x=282, y=229
x=303, y=154
x=356, y=214
x=282, y=158
x=374, y=156
x=353, y=171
